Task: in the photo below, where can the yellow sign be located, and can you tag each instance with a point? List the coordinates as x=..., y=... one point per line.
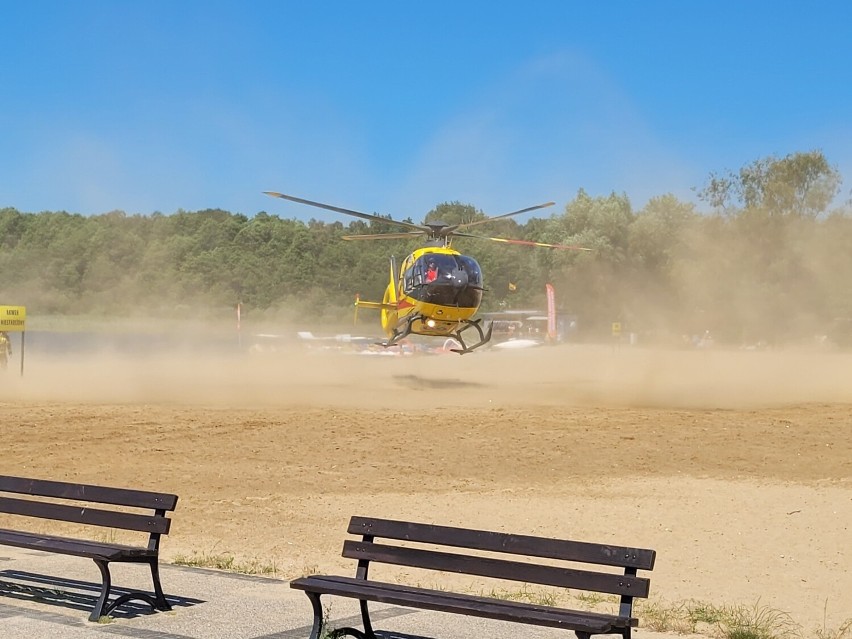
x=13, y=318
x=616, y=329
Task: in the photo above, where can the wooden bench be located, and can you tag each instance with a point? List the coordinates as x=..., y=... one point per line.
x=577, y=566
x=66, y=502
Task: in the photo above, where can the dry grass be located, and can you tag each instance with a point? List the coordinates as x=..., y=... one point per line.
x=226, y=561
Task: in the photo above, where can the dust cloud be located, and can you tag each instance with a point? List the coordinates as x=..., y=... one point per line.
x=564, y=375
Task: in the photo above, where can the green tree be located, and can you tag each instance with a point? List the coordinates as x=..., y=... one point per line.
x=800, y=184
x=595, y=283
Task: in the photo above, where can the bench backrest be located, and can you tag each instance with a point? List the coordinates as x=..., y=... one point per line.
x=626, y=583
x=155, y=523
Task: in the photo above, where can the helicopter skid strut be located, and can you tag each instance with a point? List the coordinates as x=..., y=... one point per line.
x=400, y=335
x=484, y=336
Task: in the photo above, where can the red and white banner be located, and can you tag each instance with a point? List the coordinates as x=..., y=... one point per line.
x=551, y=311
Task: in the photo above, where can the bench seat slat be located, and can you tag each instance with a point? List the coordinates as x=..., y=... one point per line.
x=82, y=492
x=149, y=523
x=497, y=568
x=621, y=556
x=443, y=601
x=76, y=547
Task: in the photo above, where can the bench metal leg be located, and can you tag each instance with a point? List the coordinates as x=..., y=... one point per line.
x=160, y=602
x=106, y=586
x=317, y=628
x=365, y=617
x=104, y=606
x=317, y=606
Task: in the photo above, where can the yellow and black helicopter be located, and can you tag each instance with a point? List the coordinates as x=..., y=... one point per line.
x=435, y=291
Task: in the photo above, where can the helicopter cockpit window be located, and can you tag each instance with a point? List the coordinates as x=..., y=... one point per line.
x=446, y=279
x=471, y=267
x=432, y=267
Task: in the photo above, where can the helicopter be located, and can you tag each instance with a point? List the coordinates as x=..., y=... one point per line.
x=436, y=290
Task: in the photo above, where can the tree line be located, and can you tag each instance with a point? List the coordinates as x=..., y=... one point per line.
x=769, y=261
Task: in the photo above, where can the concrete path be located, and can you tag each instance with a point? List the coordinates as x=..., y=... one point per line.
x=50, y=596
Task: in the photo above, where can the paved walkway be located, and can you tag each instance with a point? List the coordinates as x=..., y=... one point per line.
x=50, y=596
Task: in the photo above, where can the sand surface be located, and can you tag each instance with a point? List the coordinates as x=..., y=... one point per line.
x=735, y=466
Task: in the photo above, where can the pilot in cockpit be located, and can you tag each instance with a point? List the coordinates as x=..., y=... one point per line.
x=431, y=271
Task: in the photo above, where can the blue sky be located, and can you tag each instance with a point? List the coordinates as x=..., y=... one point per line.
x=395, y=107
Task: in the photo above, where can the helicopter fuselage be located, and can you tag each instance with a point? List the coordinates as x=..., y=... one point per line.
x=435, y=292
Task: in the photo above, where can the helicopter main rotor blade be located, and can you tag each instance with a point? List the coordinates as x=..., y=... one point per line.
x=525, y=242
x=543, y=244
x=504, y=215
x=384, y=236
x=337, y=209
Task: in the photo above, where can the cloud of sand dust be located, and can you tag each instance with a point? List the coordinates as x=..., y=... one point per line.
x=565, y=375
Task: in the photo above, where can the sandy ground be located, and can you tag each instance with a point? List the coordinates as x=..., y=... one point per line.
x=735, y=466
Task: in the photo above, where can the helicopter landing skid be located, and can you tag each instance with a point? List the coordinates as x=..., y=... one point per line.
x=484, y=336
x=399, y=335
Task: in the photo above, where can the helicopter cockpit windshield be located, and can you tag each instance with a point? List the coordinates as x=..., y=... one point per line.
x=445, y=279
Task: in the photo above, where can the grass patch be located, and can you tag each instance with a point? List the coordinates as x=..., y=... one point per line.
x=660, y=616
x=756, y=622
x=594, y=600
x=723, y=622
x=729, y=622
x=844, y=631
x=226, y=561
x=526, y=594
